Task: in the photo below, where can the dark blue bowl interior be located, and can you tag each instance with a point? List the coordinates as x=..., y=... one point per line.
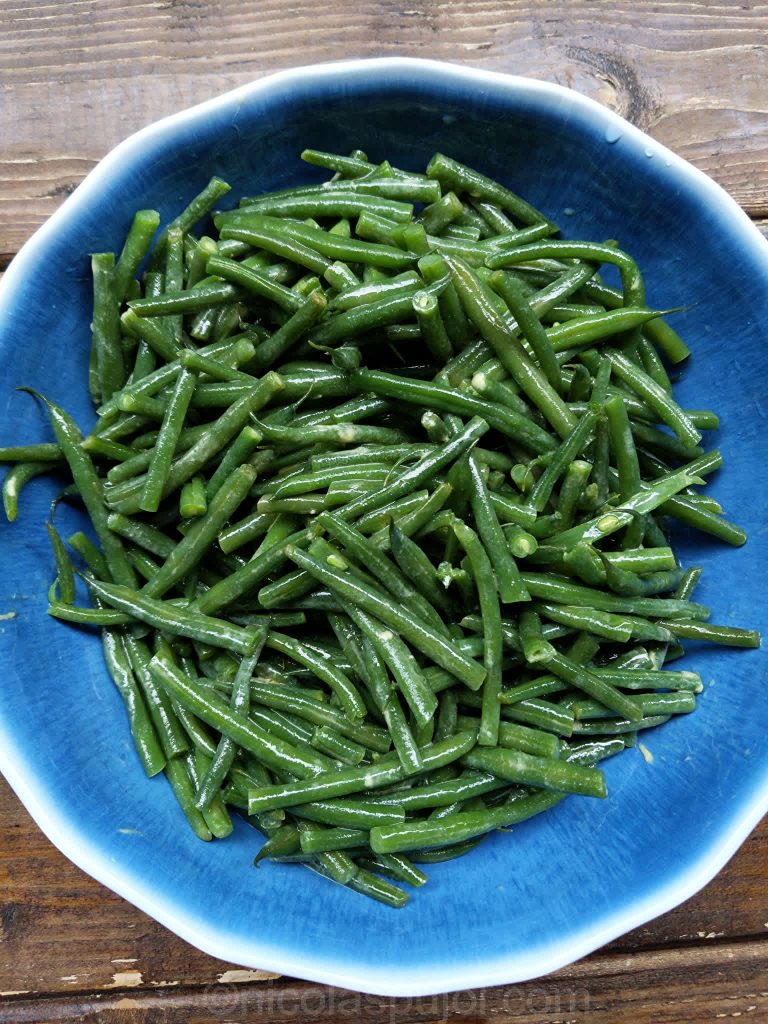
x=558, y=885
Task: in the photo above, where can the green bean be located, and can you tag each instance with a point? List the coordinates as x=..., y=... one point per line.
x=623, y=447
x=645, y=500
x=579, y=331
x=440, y=794
x=372, y=291
x=416, y=632
x=403, y=666
x=427, y=309
x=416, y=566
x=143, y=534
x=332, y=743
x=345, y=781
x=394, y=865
x=507, y=348
x=65, y=577
x=215, y=814
x=17, y=477
x=207, y=445
x=340, y=433
x=334, y=246
x=708, y=631
x=426, y=393
x=209, y=293
x=391, y=309
x=213, y=367
x=261, y=237
x=107, y=449
x=348, y=166
x=611, y=626
x=197, y=256
x=45, y=452
x=177, y=621
x=521, y=543
x=459, y=827
x=211, y=709
x=105, y=325
x=504, y=568
x=191, y=549
x=557, y=589
x=535, y=647
x=163, y=452
x=482, y=572
x=90, y=554
x=616, y=726
x=245, y=530
x=374, y=673
x=493, y=216
x=306, y=482
x=511, y=511
x=249, y=278
x=225, y=354
x=226, y=750
x=239, y=453
x=570, y=448
x=294, y=328
x=666, y=409
x=368, y=884
x=688, y=583
x=532, y=330
x=686, y=511
x=196, y=209
x=177, y=773
x=136, y=247
x=284, y=841
x=381, y=567
x=143, y=731
x=247, y=577
x=635, y=679
x=90, y=489
x=103, y=617
x=540, y=772
x=339, y=683
x=453, y=175
x=283, y=726
x=322, y=840
x=373, y=228
x=630, y=584
x=321, y=203
x=632, y=283
x=174, y=275
x=410, y=479
x=595, y=687
x=113, y=428
x=173, y=738
x=411, y=514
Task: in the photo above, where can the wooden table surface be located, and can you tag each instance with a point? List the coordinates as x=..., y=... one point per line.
x=77, y=76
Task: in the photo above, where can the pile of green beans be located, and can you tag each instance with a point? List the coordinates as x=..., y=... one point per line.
x=381, y=480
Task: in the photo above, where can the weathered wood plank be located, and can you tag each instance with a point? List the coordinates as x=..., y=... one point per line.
x=61, y=932
x=76, y=78
x=691, y=75
x=600, y=990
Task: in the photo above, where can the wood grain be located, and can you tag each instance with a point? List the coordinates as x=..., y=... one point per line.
x=690, y=74
x=600, y=990
x=76, y=77
x=110, y=944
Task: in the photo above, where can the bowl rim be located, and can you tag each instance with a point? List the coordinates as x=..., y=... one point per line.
x=18, y=766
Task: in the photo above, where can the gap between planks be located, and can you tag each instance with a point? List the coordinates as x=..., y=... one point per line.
x=722, y=980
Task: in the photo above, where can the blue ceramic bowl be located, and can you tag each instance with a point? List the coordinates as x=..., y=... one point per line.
x=557, y=887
